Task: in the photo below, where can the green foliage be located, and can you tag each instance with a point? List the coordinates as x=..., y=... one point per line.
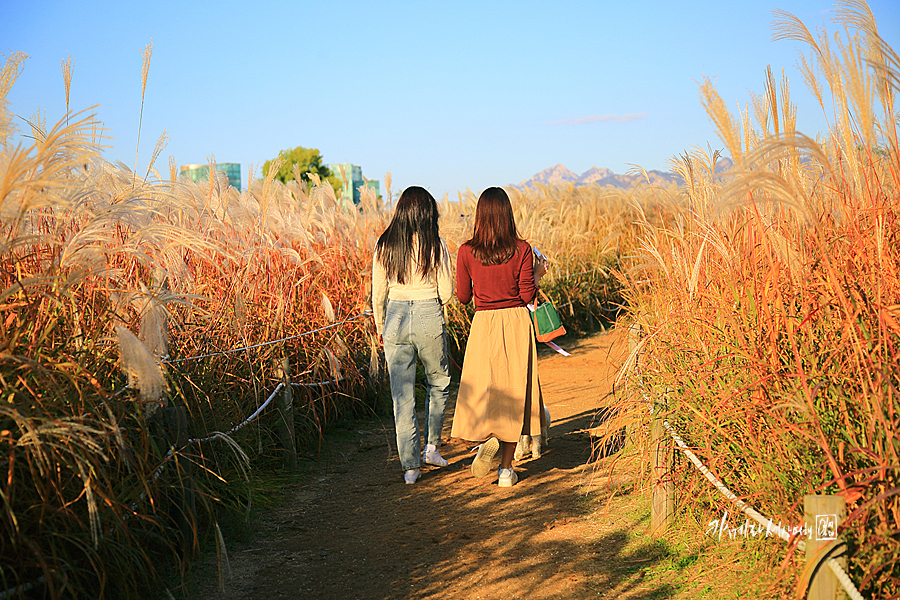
x=307, y=160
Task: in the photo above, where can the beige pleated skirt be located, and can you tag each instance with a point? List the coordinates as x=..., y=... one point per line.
x=499, y=392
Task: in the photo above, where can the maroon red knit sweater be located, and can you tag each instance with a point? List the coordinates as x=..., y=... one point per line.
x=496, y=286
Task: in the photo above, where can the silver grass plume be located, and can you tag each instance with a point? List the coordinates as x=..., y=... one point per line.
x=154, y=330
x=93, y=513
x=38, y=124
x=328, y=308
x=333, y=364
x=340, y=345
x=146, y=55
x=161, y=143
x=222, y=556
x=141, y=367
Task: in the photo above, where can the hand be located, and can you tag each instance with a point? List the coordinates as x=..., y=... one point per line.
x=380, y=340
x=540, y=269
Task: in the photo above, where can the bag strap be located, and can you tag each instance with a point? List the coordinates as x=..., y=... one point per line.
x=544, y=296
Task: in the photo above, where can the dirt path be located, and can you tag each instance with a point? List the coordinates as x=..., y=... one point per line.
x=353, y=530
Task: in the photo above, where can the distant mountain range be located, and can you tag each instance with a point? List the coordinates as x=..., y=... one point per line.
x=605, y=177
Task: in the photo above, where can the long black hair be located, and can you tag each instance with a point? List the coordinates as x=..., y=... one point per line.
x=416, y=214
x=494, y=239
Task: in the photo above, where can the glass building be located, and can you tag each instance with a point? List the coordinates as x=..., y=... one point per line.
x=352, y=179
x=198, y=172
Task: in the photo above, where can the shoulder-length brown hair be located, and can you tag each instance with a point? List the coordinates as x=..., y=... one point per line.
x=495, y=236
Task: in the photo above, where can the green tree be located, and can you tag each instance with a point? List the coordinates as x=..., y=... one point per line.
x=309, y=161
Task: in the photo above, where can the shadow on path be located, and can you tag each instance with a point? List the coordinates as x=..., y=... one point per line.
x=357, y=532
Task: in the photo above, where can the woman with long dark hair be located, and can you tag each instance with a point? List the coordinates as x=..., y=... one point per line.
x=411, y=280
x=499, y=395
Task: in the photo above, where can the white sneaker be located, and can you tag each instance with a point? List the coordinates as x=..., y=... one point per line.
x=411, y=476
x=507, y=478
x=431, y=456
x=523, y=447
x=536, y=446
x=481, y=466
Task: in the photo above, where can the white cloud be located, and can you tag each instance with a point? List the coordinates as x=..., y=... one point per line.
x=601, y=118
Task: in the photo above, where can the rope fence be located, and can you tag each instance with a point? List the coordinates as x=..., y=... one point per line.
x=319, y=383
x=253, y=416
x=839, y=572
x=170, y=361
x=244, y=423
x=745, y=508
x=835, y=566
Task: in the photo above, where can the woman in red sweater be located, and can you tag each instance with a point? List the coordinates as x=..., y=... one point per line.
x=499, y=395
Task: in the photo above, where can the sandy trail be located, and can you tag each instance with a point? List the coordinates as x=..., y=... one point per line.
x=351, y=529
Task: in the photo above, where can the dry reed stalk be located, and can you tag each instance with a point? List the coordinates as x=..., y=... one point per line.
x=146, y=56
x=67, y=80
x=10, y=72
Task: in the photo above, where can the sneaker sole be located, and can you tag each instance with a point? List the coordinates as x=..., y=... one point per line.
x=504, y=483
x=481, y=466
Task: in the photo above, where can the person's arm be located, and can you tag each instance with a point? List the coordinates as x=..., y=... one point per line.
x=463, y=277
x=527, y=287
x=379, y=293
x=445, y=275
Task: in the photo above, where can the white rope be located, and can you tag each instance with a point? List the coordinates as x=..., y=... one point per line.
x=835, y=566
x=218, y=434
x=845, y=580
x=293, y=337
x=246, y=421
x=156, y=475
x=746, y=508
x=215, y=435
x=319, y=383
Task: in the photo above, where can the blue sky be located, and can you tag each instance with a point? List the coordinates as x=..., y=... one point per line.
x=448, y=95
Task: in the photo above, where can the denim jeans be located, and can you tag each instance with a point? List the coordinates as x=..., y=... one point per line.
x=416, y=327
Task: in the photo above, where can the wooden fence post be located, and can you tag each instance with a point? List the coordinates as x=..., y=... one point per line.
x=285, y=404
x=662, y=499
x=823, y=514
x=662, y=503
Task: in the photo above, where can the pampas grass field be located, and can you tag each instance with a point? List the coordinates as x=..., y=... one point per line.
x=769, y=297
x=771, y=311
x=122, y=296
